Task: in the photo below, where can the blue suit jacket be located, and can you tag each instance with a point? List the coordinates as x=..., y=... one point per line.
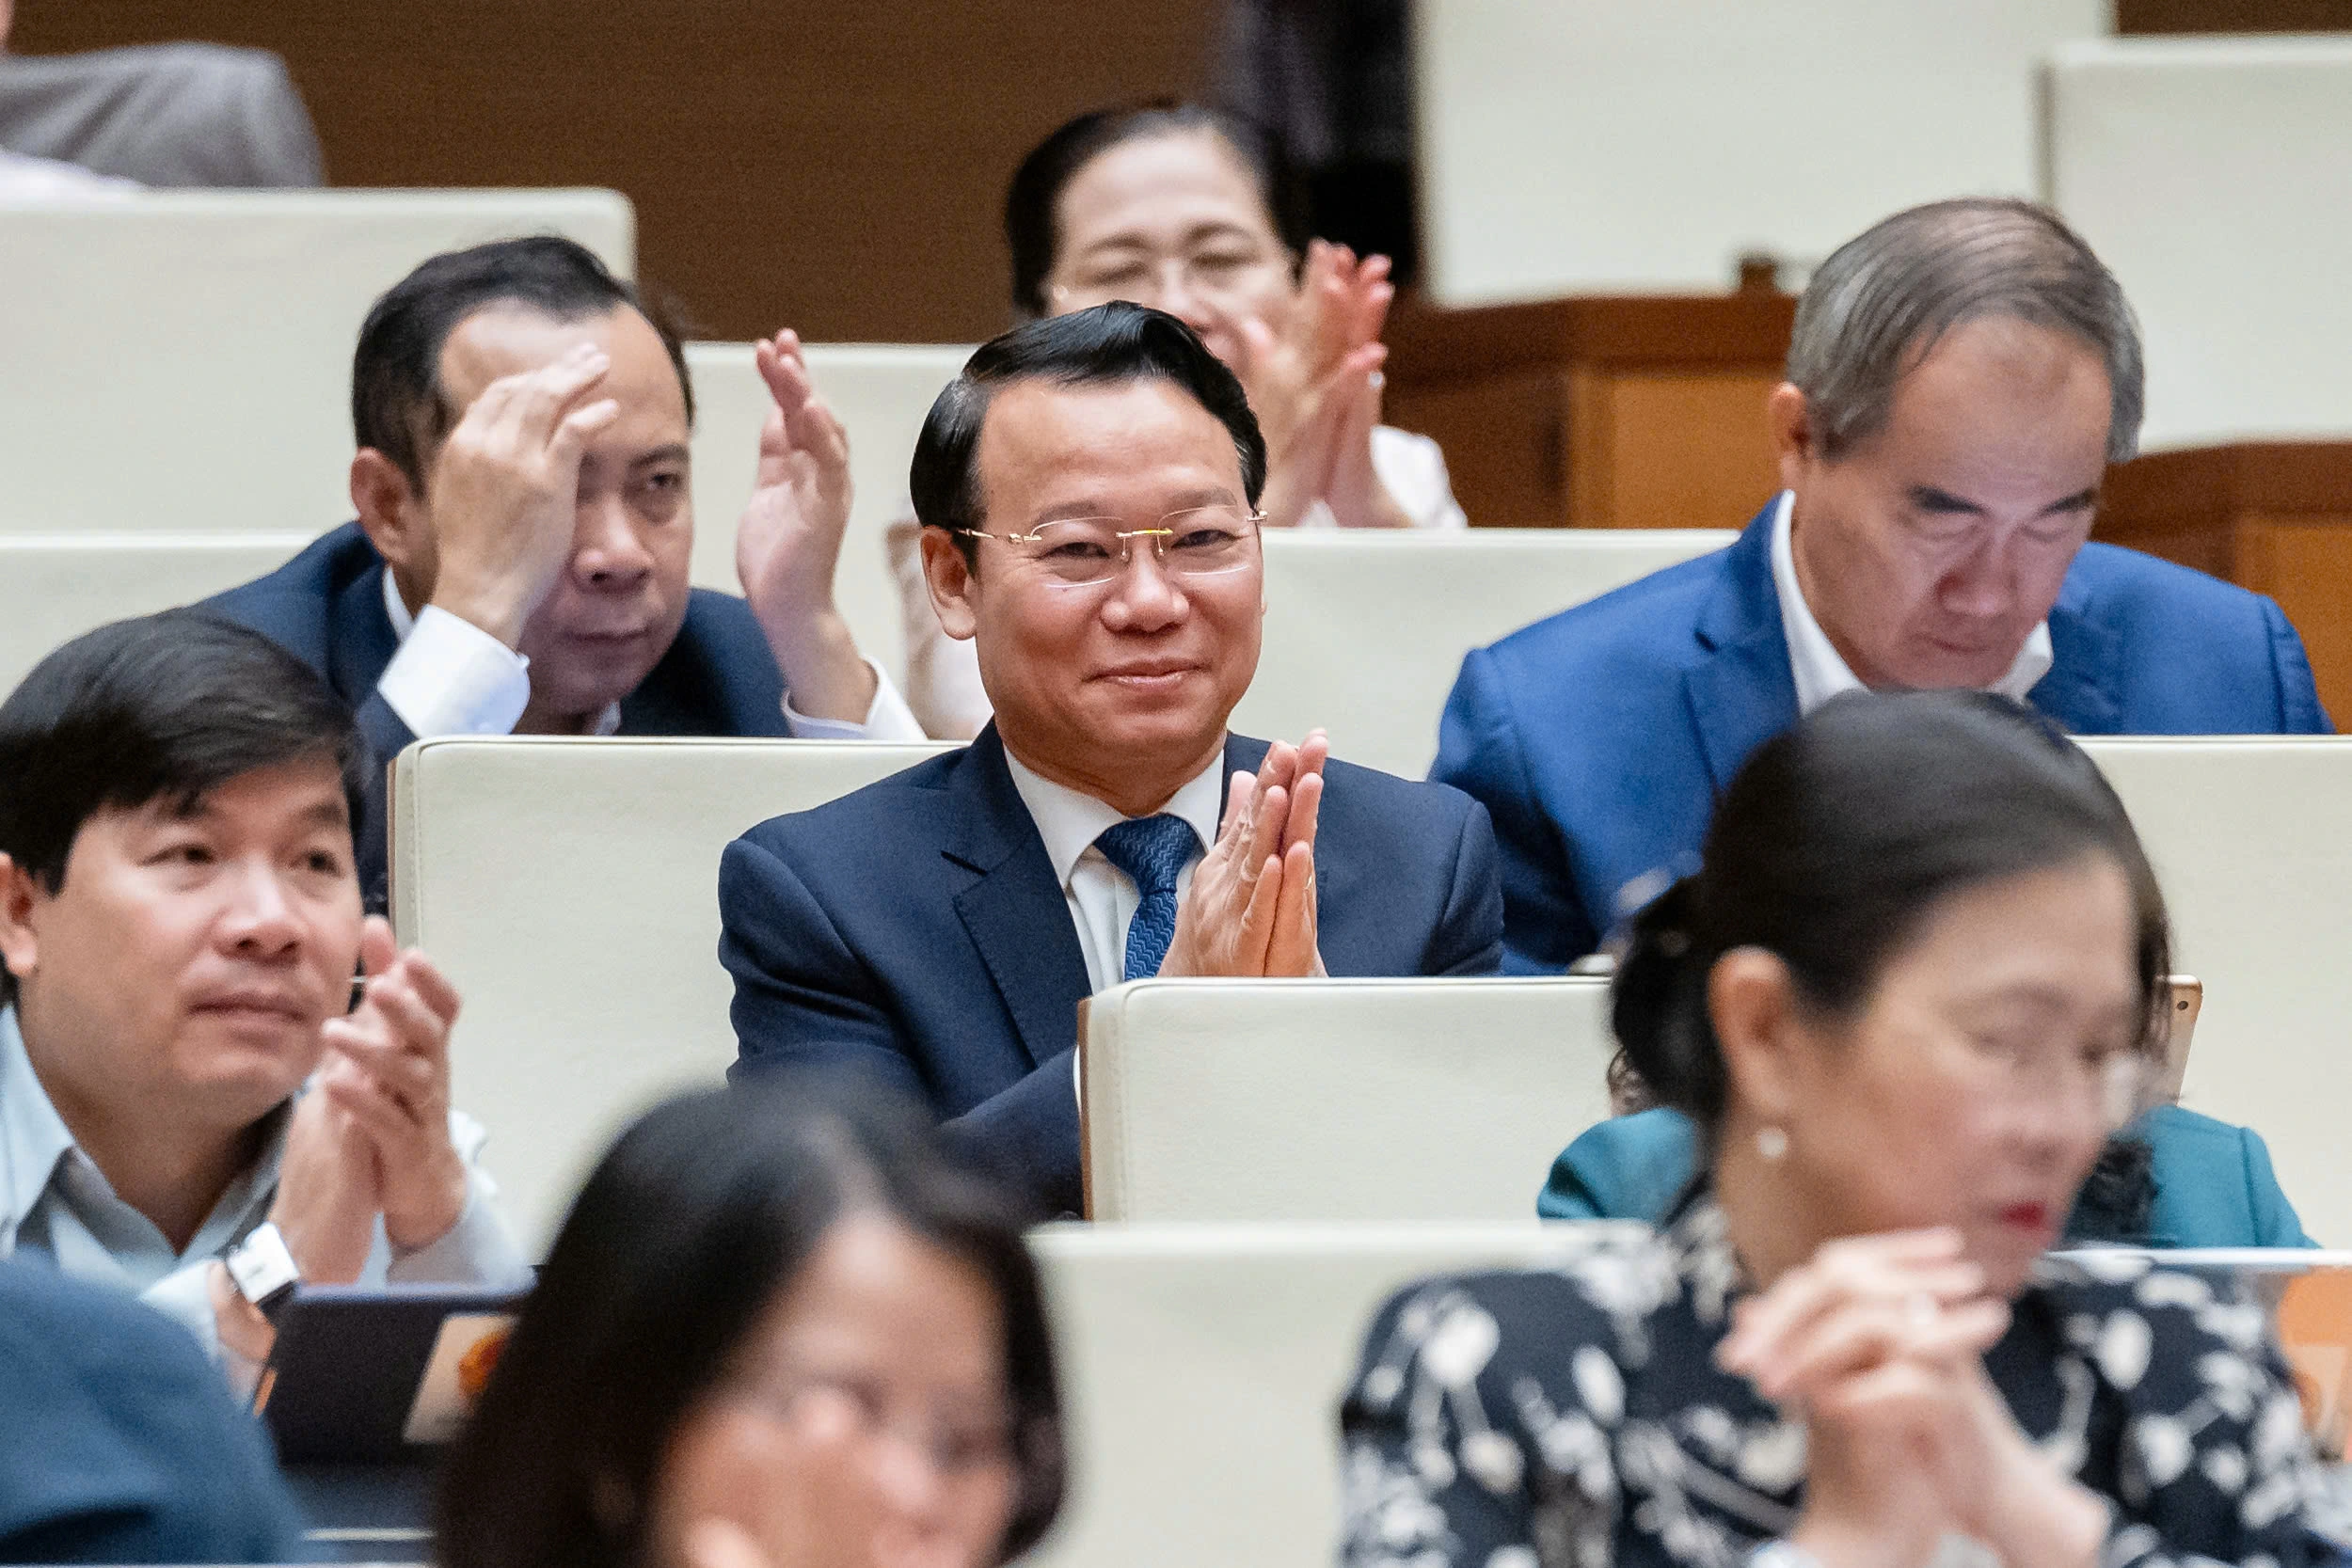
x=1599, y=738
x=118, y=1441
x=916, y=931
x=326, y=607
x=2215, y=1187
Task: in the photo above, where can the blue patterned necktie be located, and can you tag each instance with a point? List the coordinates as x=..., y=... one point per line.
x=1151, y=851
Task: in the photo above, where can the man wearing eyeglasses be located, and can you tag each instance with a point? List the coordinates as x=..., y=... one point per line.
x=1088, y=491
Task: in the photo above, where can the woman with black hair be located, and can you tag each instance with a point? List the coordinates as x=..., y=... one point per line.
x=780, y=1326
x=1188, y=209
x=1922, y=937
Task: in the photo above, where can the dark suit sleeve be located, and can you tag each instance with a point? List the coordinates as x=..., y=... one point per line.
x=802, y=998
x=1468, y=936
x=1029, y=1133
x=1480, y=753
x=2299, y=709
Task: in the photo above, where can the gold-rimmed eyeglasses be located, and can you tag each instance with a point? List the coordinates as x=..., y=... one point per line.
x=1085, y=552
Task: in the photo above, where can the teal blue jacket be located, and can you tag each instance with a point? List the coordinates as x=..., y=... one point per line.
x=2213, y=1182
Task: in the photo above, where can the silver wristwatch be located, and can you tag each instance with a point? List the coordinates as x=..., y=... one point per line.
x=261, y=1269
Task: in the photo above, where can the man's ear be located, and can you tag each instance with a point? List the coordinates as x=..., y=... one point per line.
x=391, y=514
x=951, y=581
x=1790, y=419
x=20, y=948
x=1752, y=1003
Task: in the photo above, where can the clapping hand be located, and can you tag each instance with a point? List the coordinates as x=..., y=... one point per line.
x=788, y=541
x=387, y=1068
x=1250, y=909
x=1878, y=1342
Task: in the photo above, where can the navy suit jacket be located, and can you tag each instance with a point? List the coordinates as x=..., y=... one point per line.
x=119, y=1440
x=916, y=931
x=1600, y=739
x=326, y=607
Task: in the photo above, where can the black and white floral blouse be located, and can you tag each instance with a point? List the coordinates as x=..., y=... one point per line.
x=1574, y=1417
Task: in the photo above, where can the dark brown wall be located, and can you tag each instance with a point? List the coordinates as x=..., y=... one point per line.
x=2232, y=16
x=832, y=167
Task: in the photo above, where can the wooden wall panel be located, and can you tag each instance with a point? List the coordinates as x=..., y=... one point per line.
x=1669, y=449
x=2232, y=16
x=834, y=168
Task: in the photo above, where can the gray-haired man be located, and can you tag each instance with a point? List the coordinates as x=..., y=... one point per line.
x=1960, y=377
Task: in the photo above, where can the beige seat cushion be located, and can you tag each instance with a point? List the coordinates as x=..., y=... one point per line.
x=570, y=888
x=1337, y=1100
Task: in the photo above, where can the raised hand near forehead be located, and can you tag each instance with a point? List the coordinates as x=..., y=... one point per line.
x=504, y=490
x=388, y=1067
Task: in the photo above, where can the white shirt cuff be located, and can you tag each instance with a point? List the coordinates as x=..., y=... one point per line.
x=887, y=717
x=451, y=677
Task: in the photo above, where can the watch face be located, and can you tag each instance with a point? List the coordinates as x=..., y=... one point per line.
x=262, y=1267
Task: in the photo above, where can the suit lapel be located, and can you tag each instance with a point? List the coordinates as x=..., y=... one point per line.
x=1741, y=691
x=1015, y=913
x=2081, y=649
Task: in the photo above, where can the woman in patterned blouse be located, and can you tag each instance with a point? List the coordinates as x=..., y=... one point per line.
x=1923, y=942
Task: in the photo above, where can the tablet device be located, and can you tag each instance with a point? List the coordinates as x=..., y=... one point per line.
x=363, y=1376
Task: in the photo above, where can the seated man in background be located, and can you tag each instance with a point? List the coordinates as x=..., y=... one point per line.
x=119, y=1442
x=1089, y=492
x=1958, y=379
x=179, y=933
x=159, y=114
x=526, y=525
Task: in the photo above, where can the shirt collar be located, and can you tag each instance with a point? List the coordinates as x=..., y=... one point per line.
x=33, y=1137
x=396, y=609
x=1069, y=821
x=1821, y=672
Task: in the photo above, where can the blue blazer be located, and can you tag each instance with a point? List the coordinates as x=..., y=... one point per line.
x=1599, y=738
x=326, y=607
x=121, y=1443
x=916, y=931
x=2214, y=1183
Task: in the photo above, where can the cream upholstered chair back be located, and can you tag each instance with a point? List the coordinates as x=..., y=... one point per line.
x=880, y=393
x=2251, y=840
x=180, y=361
x=570, y=888
x=1365, y=631
x=1202, y=1368
x=57, y=586
x=1337, y=1100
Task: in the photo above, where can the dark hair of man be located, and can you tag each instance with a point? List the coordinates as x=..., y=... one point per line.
x=1104, y=345
x=1033, y=201
x=397, y=404
x=692, y=1225
x=1835, y=841
x=165, y=707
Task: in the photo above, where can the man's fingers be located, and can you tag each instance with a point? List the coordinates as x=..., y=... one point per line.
x=540, y=400
x=715, y=1542
x=1291, y=950
x=377, y=950
x=1272, y=813
x=581, y=426
x=1298, y=831
x=1239, y=791
x=1313, y=752
x=1257, y=921
x=784, y=370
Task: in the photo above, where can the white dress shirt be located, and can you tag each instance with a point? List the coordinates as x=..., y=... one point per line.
x=46, y=180
x=1101, y=897
x=56, y=1203
x=1821, y=672
x=451, y=677
x=943, y=675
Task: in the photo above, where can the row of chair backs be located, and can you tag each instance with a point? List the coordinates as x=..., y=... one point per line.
x=1201, y=1372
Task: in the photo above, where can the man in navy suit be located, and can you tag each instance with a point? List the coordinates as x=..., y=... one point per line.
x=1088, y=491
x=1958, y=379
x=525, y=524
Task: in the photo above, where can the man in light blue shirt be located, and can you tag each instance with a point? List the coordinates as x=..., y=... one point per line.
x=196, y=1103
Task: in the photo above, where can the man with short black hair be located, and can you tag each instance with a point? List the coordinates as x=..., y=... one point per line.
x=1960, y=377
x=179, y=932
x=525, y=524
x=1087, y=489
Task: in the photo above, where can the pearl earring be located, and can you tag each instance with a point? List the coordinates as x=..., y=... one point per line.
x=1771, y=1142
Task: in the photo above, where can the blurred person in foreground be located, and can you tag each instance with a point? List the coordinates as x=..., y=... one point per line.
x=1960, y=377
x=1921, y=938
x=119, y=1442
x=1188, y=209
x=781, y=1328
x=1089, y=488
x=525, y=524
x=219, y=1079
